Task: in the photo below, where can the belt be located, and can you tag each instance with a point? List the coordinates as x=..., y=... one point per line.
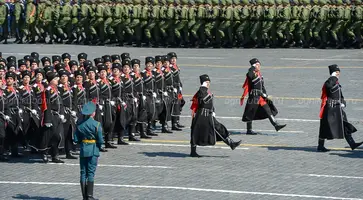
x=89, y=141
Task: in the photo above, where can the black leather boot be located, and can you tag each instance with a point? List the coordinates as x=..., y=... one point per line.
x=149, y=130
x=275, y=123
x=143, y=134
x=175, y=126
x=56, y=159
x=90, y=186
x=232, y=143
x=84, y=191
x=120, y=139
x=321, y=147
x=249, y=129
x=164, y=128
x=109, y=145
x=132, y=134
x=70, y=156
x=193, y=152
x=353, y=145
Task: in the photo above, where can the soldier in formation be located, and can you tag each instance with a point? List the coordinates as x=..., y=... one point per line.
x=40, y=105
x=186, y=23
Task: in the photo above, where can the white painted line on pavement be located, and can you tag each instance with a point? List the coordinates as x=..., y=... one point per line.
x=244, y=130
x=120, y=166
x=184, y=145
x=331, y=176
x=281, y=119
x=322, y=59
x=186, y=188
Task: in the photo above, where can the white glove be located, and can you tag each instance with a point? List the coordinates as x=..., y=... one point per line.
x=214, y=114
x=342, y=105
x=165, y=94
x=135, y=100
x=112, y=103
x=123, y=103
x=143, y=97
x=100, y=107
x=34, y=112
x=205, y=84
x=175, y=90
x=48, y=125
x=61, y=117
x=334, y=74
x=181, y=89
x=20, y=111
x=264, y=95
x=154, y=94
x=7, y=118
x=73, y=113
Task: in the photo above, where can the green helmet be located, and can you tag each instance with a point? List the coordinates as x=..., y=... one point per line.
x=259, y=2
x=339, y=2
x=170, y=1
x=285, y=2
x=177, y=2
x=48, y=3
x=296, y=2
x=184, y=2
x=222, y=2
x=136, y=1
x=208, y=2
x=215, y=2
x=3, y=2
x=245, y=2
x=154, y=2
x=358, y=2
x=322, y=2
x=271, y=2
x=265, y=2
x=278, y=2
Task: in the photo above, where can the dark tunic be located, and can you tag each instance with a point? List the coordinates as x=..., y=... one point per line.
x=79, y=99
x=255, y=88
x=28, y=102
x=93, y=94
x=66, y=93
x=12, y=110
x=128, y=96
x=118, y=111
x=105, y=98
x=179, y=102
x=139, y=93
x=333, y=123
x=149, y=90
x=2, y=115
x=159, y=89
x=205, y=129
x=169, y=88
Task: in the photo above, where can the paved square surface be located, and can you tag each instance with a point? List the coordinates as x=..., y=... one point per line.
x=271, y=165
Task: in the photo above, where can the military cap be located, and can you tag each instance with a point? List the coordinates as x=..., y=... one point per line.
x=125, y=62
x=204, y=78
x=166, y=58
x=66, y=55
x=56, y=58
x=159, y=58
x=21, y=62
x=27, y=57
x=149, y=59
x=59, y=66
x=72, y=62
x=125, y=56
x=91, y=69
x=88, y=108
x=51, y=76
x=2, y=67
x=117, y=65
x=48, y=69
x=26, y=73
x=82, y=56
x=87, y=63
x=333, y=68
x=62, y=72
x=135, y=61
x=11, y=59
x=98, y=61
x=254, y=61
x=79, y=73
x=102, y=67
x=3, y=60
x=45, y=59
x=39, y=70
x=106, y=58
x=10, y=65
x=172, y=54
x=34, y=60
x=10, y=75
x=35, y=55
x=115, y=57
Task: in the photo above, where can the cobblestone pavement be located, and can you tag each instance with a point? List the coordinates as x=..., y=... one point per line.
x=270, y=165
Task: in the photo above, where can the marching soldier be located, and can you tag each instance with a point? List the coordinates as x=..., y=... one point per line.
x=333, y=119
x=3, y=118
x=105, y=105
x=89, y=135
x=128, y=97
x=259, y=106
x=205, y=129
x=65, y=92
x=12, y=114
x=140, y=95
x=150, y=93
x=178, y=102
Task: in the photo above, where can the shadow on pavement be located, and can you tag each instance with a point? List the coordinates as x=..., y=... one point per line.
x=306, y=149
x=175, y=155
x=24, y=196
x=350, y=154
x=258, y=133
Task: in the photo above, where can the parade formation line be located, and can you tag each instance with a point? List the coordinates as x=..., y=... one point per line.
x=186, y=145
x=331, y=176
x=186, y=189
x=119, y=166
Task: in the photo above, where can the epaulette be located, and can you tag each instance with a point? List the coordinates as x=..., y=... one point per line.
x=123, y=75
x=21, y=87
x=143, y=71
x=154, y=70
x=74, y=86
x=49, y=88
x=72, y=75
x=60, y=85
x=35, y=85
x=99, y=80
x=132, y=73
x=111, y=78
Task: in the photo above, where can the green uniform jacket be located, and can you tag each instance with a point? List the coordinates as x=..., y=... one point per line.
x=89, y=129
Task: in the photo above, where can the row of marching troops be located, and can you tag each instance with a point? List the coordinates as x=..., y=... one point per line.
x=40, y=106
x=203, y=23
